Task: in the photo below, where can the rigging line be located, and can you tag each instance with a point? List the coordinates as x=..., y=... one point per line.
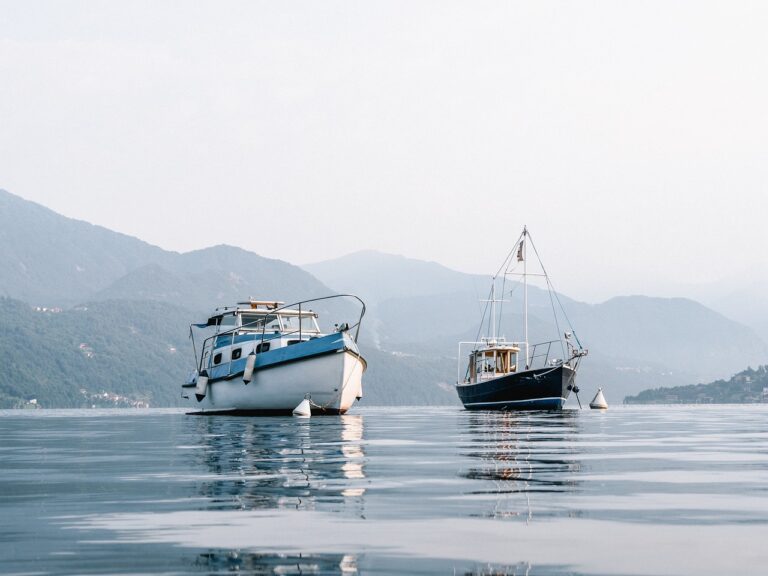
x=477, y=297
x=566, y=318
x=490, y=303
x=554, y=291
x=501, y=306
x=503, y=264
x=480, y=328
x=511, y=266
x=550, y=289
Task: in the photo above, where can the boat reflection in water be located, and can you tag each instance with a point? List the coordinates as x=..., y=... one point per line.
x=227, y=561
x=274, y=463
x=521, y=457
x=280, y=463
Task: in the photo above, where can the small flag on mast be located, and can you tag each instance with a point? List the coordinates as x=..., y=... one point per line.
x=520, y=251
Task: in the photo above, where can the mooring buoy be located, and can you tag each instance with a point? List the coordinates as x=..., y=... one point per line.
x=598, y=402
x=303, y=410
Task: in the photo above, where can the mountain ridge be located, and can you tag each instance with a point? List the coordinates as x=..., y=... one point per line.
x=413, y=305
x=633, y=337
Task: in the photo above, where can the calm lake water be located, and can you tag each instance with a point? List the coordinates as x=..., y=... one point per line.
x=634, y=490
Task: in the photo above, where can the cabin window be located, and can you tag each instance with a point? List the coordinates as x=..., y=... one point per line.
x=228, y=321
x=252, y=322
x=256, y=322
x=294, y=323
x=217, y=358
x=502, y=362
x=290, y=323
x=308, y=324
x=291, y=342
x=236, y=353
x=262, y=347
x=485, y=364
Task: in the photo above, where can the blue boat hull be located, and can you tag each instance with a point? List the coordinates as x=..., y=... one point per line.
x=540, y=389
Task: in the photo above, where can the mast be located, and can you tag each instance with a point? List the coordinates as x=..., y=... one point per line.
x=525, y=295
x=493, y=310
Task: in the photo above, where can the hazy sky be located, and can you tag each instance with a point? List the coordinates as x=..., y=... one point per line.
x=631, y=137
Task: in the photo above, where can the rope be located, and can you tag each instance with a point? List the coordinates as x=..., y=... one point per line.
x=314, y=404
x=504, y=264
x=480, y=328
x=552, y=290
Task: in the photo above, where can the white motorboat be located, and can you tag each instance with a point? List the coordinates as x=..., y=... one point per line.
x=264, y=358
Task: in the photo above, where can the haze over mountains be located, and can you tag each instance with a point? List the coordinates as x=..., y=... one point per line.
x=79, y=274
x=635, y=341
x=131, y=303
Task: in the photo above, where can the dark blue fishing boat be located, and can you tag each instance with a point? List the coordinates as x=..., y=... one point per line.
x=504, y=375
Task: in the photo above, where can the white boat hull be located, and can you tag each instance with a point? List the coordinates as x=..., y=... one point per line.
x=332, y=382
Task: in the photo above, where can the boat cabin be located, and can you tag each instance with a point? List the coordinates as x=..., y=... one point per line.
x=255, y=326
x=492, y=360
x=264, y=317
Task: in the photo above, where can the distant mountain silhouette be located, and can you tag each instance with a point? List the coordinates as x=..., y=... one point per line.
x=378, y=276
x=634, y=341
x=50, y=260
x=675, y=332
x=418, y=311
x=217, y=276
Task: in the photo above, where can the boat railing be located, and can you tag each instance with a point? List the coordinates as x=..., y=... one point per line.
x=543, y=349
x=539, y=355
x=210, y=343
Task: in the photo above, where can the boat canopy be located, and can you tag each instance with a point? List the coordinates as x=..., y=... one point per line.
x=266, y=304
x=263, y=319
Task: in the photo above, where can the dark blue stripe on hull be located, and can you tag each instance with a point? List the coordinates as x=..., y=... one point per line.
x=234, y=412
x=533, y=404
x=331, y=343
x=542, y=389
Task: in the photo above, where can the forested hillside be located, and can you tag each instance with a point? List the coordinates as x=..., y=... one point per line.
x=86, y=312
x=136, y=350
x=137, y=353
x=748, y=386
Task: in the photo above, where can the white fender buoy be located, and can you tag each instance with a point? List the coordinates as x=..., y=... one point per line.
x=250, y=362
x=201, y=387
x=303, y=410
x=598, y=402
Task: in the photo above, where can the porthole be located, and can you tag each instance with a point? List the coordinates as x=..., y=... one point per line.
x=236, y=353
x=217, y=358
x=263, y=347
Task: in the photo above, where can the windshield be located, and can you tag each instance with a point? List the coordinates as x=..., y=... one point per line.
x=256, y=322
x=291, y=324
